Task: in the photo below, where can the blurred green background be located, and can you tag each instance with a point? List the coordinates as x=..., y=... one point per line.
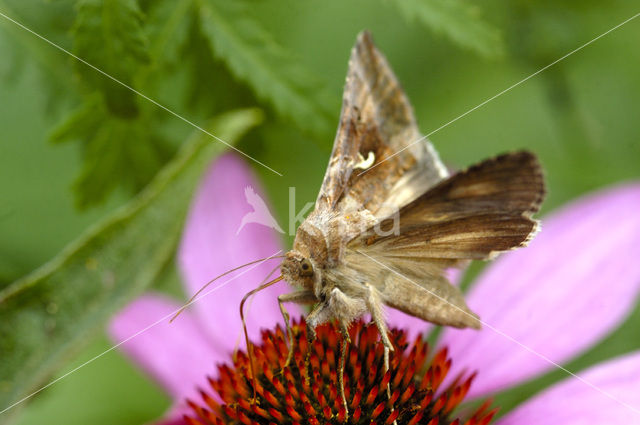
x=74, y=145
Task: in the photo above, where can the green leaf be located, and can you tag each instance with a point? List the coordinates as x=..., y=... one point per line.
x=116, y=151
x=167, y=26
x=458, y=20
x=48, y=315
x=274, y=75
x=27, y=47
x=108, y=34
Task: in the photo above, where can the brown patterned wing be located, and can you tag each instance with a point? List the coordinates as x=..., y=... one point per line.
x=483, y=210
x=376, y=122
x=471, y=215
x=414, y=286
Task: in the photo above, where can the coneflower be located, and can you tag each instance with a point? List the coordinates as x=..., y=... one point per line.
x=307, y=391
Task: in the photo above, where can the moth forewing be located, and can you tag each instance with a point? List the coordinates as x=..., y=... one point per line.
x=473, y=214
x=470, y=215
x=415, y=287
x=376, y=122
x=437, y=301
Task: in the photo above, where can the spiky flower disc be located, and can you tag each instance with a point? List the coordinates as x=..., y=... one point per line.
x=307, y=391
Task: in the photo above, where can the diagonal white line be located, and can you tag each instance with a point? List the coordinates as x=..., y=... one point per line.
x=162, y=319
x=191, y=123
x=510, y=338
x=504, y=91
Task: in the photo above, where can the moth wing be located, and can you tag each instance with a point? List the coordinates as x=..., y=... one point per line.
x=436, y=300
x=375, y=134
x=472, y=215
x=416, y=287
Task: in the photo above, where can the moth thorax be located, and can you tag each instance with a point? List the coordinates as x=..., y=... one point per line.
x=310, y=242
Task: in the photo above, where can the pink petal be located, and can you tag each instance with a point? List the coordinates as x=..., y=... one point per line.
x=211, y=245
x=412, y=325
x=574, y=402
x=177, y=355
x=573, y=285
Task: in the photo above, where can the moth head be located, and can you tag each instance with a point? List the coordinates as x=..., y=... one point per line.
x=298, y=269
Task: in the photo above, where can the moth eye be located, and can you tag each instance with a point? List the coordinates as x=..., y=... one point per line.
x=306, y=268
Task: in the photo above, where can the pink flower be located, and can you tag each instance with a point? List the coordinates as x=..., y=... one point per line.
x=545, y=304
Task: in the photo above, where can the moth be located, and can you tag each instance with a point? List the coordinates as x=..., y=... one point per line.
x=346, y=261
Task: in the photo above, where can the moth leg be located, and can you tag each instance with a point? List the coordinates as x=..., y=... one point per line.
x=346, y=340
x=320, y=314
x=299, y=297
x=313, y=319
x=374, y=305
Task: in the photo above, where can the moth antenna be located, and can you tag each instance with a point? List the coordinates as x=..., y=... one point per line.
x=192, y=299
x=246, y=334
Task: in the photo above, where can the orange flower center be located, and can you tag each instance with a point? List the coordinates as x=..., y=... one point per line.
x=307, y=391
